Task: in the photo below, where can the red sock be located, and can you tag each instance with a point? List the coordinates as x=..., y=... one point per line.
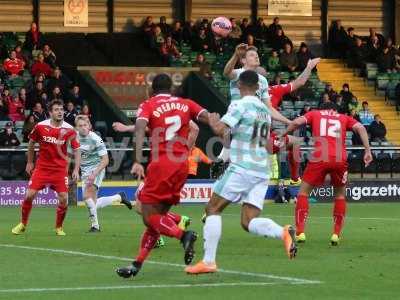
x=25, y=211
x=339, y=213
x=177, y=218
x=301, y=213
x=61, y=212
x=165, y=226
x=294, y=162
x=149, y=239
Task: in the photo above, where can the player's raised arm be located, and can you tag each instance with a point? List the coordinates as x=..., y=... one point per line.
x=230, y=65
x=296, y=123
x=276, y=115
x=305, y=75
x=362, y=132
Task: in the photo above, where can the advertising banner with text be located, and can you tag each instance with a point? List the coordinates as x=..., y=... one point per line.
x=290, y=8
x=76, y=13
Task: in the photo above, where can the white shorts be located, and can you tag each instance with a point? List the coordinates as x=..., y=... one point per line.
x=236, y=187
x=97, y=181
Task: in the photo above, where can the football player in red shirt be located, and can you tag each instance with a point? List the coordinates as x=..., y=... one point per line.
x=167, y=118
x=54, y=136
x=329, y=157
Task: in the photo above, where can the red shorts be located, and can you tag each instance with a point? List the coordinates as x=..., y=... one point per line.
x=276, y=143
x=316, y=172
x=57, y=181
x=163, y=182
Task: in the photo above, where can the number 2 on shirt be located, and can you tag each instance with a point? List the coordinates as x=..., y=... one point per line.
x=175, y=124
x=329, y=127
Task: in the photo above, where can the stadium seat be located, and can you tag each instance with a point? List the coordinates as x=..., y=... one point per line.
x=372, y=168
x=355, y=162
x=396, y=163
x=382, y=80
x=5, y=165
x=18, y=163
x=384, y=162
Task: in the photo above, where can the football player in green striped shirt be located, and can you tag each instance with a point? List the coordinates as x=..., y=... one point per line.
x=94, y=160
x=246, y=179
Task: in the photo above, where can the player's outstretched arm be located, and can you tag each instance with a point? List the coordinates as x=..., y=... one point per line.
x=230, y=65
x=305, y=75
x=193, y=134
x=119, y=127
x=276, y=115
x=362, y=132
x=31, y=156
x=296, y=123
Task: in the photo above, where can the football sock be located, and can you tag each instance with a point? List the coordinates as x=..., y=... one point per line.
x=265, y=227
x=224, y=155
x=294, y=162
x=177, y=218
x=92, y=212
x=164, y=225
x=60, y=214
x=107, y=201
x=149, y=239
x=212, y=234
x=339, y=213
x=301, y=213
x=25, y=211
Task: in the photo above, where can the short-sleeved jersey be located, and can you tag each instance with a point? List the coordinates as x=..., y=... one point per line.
x=329, y=133
x=53, y=142
x=277, y=92
x=92, y=149
x=262, y=92
x=250, y=122
x=168, y=120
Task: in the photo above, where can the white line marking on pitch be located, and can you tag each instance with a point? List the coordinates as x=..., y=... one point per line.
x=150, y=286
x=311, y=217
x=260, y=275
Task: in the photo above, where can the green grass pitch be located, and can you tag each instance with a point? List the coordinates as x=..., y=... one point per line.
x=40, y=265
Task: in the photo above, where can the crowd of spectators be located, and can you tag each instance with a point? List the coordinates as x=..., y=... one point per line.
x=33, y=65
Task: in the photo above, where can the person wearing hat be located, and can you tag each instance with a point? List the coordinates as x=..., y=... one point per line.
x=7, y=137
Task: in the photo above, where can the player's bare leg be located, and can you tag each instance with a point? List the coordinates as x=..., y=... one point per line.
x=26, y=208
x=339, y=214
x=61, y=212
x=251, y=222
x=301, y=211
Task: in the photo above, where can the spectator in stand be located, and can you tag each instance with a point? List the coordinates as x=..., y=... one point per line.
x=353, y=113
x=49, y=56
x=366, y=116
x=70, y=113
x=177, y=32
x=13, y=65
x=29, y=124
x=22, y=96
x=277, y=80
x=16, y=108
x=245, y=28
x=3, y=48
x=76, y=97
x=165, y=28
x=8, y=138
x=35, y=95
x=351, y=40
x=58, y=79
x=386, y=61
x=19, y=54
x=205, y=68
x=377, y=130
x=39, y=66
x=274, y=27
x=373, y=34
x=147, y=27
x=337, y=39
x=329, y=90
x=169, y=51
x=353, y=104
x=303, y=56
x=324, y=99
x=6, y=95
x=33, y=39
x=273, y=64
x=189, y=30
x=86, y=112
x=260, y=30
x=279, y=40
x=250, y=41
x=157, y=38
x=392, y=48
x=288, y=59
x=341, y=106
x=201, y=42
x=374, y=48
x=346, y=94
x=236, y=32
x=397, y=95
x=3, y=110
x=56, y=93
x=39, y=114
x=358, y=55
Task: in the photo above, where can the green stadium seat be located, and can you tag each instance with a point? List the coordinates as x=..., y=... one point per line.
x=382, y=80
